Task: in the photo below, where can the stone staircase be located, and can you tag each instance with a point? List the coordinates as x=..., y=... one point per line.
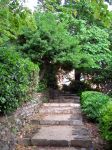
x=65, y=98
x=60, y=126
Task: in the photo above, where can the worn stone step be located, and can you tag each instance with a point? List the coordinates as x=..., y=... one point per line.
x=57, y=110
x=58, y=119
x=61, y=136
x=62, y=108
x=60, y=100
x=59, y=148
x=73, y=105
x=68, y=97
x=62, y=117
x=67, y=94
x=56, y=122
x=53, y=148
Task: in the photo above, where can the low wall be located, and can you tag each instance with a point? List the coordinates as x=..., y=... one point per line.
x=10, y=125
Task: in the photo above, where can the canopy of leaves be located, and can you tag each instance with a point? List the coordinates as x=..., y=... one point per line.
x=49, y=39
x=94, y=11
x=13, y=18
x=94, y=50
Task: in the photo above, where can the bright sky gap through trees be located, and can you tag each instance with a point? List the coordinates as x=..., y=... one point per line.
x=31, y=4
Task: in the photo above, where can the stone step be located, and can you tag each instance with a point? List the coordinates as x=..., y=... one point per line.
x=59, y=148
x=60, y=126
x=58, y=119
x=52, y=148
x=73, y=105
x=56, y=122
x=61, y=136
x=60, y=108
x=60, y=100
x=67, y=94
x=57, y=110
x=68, y=97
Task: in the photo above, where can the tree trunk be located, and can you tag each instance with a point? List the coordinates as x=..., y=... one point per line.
x=43, y=71
x=77, y=75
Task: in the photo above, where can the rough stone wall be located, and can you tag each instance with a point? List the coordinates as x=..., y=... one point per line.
x=10, y=125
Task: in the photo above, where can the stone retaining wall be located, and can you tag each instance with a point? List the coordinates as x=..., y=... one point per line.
x=10, y=125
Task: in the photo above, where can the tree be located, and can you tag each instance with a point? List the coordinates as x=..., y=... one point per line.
x=13, y=18
x=88, y=22
x=49, y=40
x=73, y=35
x=92, y=11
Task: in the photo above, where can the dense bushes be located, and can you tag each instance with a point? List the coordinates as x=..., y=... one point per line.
x=98, y=107
x=42, y=86
x=106, y=121
x=92, y=102
x=15, y=79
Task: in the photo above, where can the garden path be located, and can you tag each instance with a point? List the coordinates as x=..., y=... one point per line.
x=60, y=126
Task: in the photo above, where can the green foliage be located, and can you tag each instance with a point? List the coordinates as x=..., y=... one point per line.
x=66, y=40
x=15, y=79
x=13, y=18
x=77, y=36
x=17, y=74
x=50, y=39
x=93, y=11
x=89, y=23
x=93, y=52
x=92, y=102
x=41, y=87
x=106, y=121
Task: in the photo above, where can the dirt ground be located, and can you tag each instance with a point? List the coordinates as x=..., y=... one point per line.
x=98, y=142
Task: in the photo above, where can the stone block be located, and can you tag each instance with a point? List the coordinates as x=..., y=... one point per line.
x=76, y=122
x=64, y=122
x=49, y=122
x=24, y=141
x=39, y=142
x=81, y=143
x=61, y=143
x=34, y=121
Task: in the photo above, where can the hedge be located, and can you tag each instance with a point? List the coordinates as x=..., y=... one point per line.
x=98, y=107
x=15, y=79
x=92, y=101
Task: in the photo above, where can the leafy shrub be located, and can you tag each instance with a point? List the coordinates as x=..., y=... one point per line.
x=106, y=121
x=42, y=86
x=16, y=75
x=92, y=102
